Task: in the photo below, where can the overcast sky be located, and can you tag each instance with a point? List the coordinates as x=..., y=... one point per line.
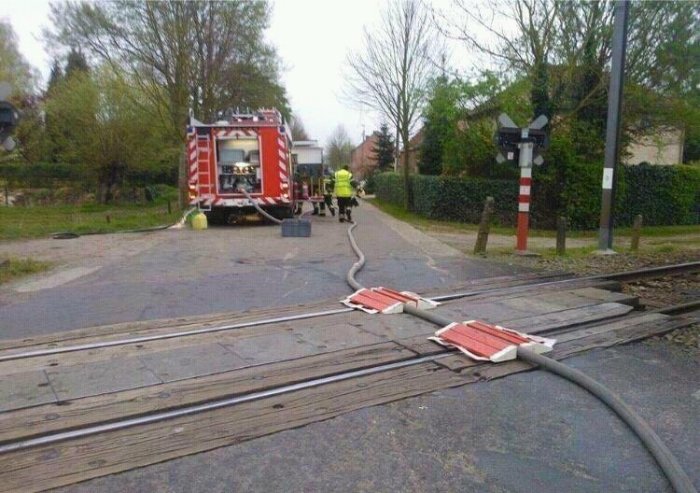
x=313, y=38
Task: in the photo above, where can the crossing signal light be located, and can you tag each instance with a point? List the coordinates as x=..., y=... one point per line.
x=9, y=117
x=509, y=138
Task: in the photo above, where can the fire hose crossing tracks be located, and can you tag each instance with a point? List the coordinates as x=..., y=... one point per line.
x=386, y=301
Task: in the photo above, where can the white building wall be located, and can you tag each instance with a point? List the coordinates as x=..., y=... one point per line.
x=665, y=147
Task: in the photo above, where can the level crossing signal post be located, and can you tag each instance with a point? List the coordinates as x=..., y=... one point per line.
x=524, y=143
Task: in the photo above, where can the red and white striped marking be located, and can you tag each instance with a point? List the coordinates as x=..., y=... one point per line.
x=192, y=156
x=243, y=202
x=235, y=132
x=525, y=184
x=524, y=208
x=283, y=158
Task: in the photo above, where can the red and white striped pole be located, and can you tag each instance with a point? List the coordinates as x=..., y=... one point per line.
x=525, y=162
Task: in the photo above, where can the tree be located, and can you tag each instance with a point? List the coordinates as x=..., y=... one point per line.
x=55, y=76
x=297, y=128
x=76, y=63
x=459, y=124
x=392, y=72
x=14, y=69
x=34, y=145
x=338, y=148
x=563, y=50
x=440, y=117
x=207, y=56
x=106, y=129
x=384, y=149
x=22, y=77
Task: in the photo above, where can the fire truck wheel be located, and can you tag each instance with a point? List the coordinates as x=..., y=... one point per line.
x=282, y=212
x=215, y=217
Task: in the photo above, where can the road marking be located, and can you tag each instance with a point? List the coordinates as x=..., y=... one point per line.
x=57, y=279
x=290, y=255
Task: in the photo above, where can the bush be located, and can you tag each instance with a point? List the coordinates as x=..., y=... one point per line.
x=451, y=198
x=389, y=188
x=63, y=183
x=462, y=199
x=582, y=195
x=40, y=175
x=664, y=195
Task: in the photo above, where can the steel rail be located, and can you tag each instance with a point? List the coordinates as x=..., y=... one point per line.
x=51, y=438
x=663, y=270
x=629, y=275
x=169, y=335
x=687, y=307
x=668, y=464
x=209, y=406
x=208, y=330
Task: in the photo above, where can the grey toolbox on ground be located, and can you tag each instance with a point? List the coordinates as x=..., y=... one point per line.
x=296, y=227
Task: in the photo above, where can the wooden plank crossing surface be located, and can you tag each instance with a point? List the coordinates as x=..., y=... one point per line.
x=581, y=317
x=51, y=466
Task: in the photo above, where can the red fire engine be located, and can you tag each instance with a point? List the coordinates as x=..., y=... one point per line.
x=248, y=152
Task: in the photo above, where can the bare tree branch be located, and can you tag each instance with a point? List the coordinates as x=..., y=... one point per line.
x=392, y=73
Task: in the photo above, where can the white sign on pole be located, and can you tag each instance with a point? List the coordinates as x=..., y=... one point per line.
x=607, y=179
x=9, y=144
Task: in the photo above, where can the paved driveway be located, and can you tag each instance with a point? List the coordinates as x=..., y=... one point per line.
x=118, y=278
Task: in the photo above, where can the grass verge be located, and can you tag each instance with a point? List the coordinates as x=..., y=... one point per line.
x=41, y=221
x=13, y=268
x=424, y=223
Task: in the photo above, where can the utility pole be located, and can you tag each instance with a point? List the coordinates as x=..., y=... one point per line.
x=612, y=133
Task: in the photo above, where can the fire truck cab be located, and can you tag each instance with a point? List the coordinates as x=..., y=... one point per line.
x=309, y=169
x=245, y=151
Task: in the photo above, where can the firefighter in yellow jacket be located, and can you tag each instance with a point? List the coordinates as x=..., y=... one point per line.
x=343, y=186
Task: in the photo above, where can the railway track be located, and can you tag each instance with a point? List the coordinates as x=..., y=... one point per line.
x=629, y=276
x=283, y=394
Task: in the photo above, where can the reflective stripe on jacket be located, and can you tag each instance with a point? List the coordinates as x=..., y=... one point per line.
x=343, y=188
x=328, y=185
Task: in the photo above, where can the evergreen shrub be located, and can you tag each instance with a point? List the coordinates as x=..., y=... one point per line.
x=664, y=195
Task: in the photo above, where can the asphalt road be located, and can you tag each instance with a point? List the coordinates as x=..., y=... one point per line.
x=119, y=278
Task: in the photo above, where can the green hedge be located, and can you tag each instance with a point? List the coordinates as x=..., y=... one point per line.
x=49, y=175
x=457, y=199
x=450, y=198
x=661, y=194
x=388, y=187
x=664, y=195
x=40, y=175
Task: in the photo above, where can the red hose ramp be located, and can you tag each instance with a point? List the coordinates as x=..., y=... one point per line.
x=486, y=342
x=386, y=301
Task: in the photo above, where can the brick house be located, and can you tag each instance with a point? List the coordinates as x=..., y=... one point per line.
x=362, y=158
x=414, y=144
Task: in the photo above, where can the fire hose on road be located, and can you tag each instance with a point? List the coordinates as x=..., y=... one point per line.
x=665, y=459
